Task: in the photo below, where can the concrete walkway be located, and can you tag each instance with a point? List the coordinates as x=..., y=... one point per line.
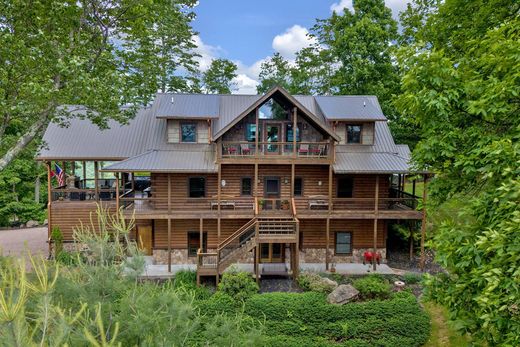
x=16, y=242
x=161, y=271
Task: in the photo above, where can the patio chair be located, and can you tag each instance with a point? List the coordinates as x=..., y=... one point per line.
x=304, y=149
x=245, y=149
x=232, y=150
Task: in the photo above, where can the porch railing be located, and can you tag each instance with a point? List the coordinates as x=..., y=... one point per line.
x=232, y=149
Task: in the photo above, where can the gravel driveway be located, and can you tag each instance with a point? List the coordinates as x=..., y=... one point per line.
x=16, y=242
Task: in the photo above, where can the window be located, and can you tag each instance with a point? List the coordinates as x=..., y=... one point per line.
x=273, y=110
x=298, y=186
x=251, y=132
x=289, y=132
x=345, y=187
x=194, y=243
x=247, y=187
x=354, y=133
x=343, y=243
x=188, y=132
x=197, y=186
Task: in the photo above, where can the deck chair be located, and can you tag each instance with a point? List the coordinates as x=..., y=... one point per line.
x=244, y=149
x=304, y=149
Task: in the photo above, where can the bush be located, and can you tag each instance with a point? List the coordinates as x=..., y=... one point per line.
x=238, y=284
x=57, y=239
x=372, y=287
x=217, y=304
x=185, y=278
x=412, y=278
x=67, y=258
x=311, y=281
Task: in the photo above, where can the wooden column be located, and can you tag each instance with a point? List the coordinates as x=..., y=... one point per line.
x=292, y=179
x=411, y=229
x=423, y=223
x=133, y=181
x=117, y=191
x=376, y=216
x=413, y=188
x=49, y=208
x=169, y=222
x=201, y=234
x=257, y=135
x=219, y=189
x=96, y=179
x=295, y=124
x=257, y=253
x=296, y=269
x=327, y=237
x=84, y=163
x=256, y=179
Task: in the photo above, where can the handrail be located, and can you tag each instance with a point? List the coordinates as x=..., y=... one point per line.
x=236, y=234
x=293, y=207
x=124, y=195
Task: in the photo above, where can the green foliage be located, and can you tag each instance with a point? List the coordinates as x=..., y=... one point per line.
x=314, y=282
x=57, y=240
x=238, y=284
x=462, y=89
x=372, y=287
x=219, y=76
x=412, y=278
x=308, y=319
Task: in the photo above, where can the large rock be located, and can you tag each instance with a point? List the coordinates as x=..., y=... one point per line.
x=342, y=294
x=32, y=224
x=329, y=283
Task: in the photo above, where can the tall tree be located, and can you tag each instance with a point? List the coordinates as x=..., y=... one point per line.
x=274, y=71
x=462, y=88
x=98, y=54
x=219, y=76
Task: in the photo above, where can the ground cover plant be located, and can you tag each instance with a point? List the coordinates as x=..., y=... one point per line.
x=98, y=299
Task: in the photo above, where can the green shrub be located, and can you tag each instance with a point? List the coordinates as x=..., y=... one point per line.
x=311, y=281
x=412, y=278
x=372, y=287
x=217, y=304
x=238, y=284
x=57, y=239
x=185, y=278
x=67, y=258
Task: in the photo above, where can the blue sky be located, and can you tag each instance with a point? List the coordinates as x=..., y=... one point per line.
x=248, y=32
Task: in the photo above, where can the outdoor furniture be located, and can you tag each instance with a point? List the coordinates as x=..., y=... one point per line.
x=368, y=256
x=304, y=149
x=148, y=192
x=318, y=202
x=223, y=204
x=244, y=149
x=231, y=150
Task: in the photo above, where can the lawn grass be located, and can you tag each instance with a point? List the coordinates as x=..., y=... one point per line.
x=419, y=187
x=442, y=334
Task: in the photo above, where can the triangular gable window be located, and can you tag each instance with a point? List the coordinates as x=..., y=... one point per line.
x=271, y=109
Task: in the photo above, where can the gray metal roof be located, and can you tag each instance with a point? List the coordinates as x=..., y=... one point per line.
x=231, y=107
x=365, y=162
x=350, y=107
x=186, y=105
x=198, y=158
x=82, y=140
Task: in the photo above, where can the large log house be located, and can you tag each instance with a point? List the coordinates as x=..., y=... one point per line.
x=214, y=180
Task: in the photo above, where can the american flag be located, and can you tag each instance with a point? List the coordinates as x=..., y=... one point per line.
x=60, y=175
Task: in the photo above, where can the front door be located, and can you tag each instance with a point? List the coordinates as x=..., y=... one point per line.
x=272, y=253
x=272, y=137
x=144, y=238
x=271, y=193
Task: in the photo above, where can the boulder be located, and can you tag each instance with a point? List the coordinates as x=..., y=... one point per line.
x=329, y=283
x=45, y=222
x=32, y=224
x=342, y=294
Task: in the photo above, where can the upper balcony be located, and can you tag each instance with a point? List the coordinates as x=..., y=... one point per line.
x=313, y=152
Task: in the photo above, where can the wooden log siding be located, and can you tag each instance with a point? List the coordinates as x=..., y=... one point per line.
x=362, y=232
x=69, y=215
x=181, y=227
x=180, y=191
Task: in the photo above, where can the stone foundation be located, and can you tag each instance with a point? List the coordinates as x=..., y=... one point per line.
x=308, y=255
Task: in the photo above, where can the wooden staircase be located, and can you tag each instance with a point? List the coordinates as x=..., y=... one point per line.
x=260, y=229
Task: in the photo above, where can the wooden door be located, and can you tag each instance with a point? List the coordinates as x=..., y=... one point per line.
x=144, y=238
x=272, y=253
x=272, y=193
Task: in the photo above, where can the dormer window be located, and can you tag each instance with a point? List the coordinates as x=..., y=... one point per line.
x=188, y=132
x=354, y=133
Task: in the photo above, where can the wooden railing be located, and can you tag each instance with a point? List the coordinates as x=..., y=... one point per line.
x=267, y=204
x=317, y=204
x=75, y=194
x=207, y=259
x=248, y=149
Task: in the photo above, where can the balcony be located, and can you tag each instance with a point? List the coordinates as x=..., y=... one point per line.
x=266, y=151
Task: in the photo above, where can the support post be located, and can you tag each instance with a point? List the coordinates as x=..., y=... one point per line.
x=410, y=228
x=201, y=234
x=423, y=223
x=117, y=192
x=219, y=189
x=49, y=208
x=256, y=179
x=84, y=164
x=295, y=130
x=296, y=270
x=376, y=216
x=293, y=169
x=257, y=259
x=169, y=222
x=96, y=179
x=257, y=133
x=327, y=257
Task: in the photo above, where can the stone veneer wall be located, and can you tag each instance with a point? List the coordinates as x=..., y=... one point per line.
x=308, y=255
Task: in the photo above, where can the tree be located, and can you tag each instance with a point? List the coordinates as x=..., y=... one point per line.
x=462, y=89
x=274, y=71
x=219, y=76
x=101, y=55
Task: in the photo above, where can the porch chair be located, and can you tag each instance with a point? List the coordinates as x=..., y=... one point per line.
x=245, y=149
x=304, y=149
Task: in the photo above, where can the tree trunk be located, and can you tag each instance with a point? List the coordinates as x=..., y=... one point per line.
x=23, y=141
x=37, y=184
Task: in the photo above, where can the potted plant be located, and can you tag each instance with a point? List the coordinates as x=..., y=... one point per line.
x=284, y=205
x=333, y=267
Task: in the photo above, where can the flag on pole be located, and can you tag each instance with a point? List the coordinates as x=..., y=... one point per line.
x=60, y=175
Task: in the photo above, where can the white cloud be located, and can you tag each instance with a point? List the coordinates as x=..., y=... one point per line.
x=245, y=84
x=339, y=6
x=207, y=53
x=292, y=40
